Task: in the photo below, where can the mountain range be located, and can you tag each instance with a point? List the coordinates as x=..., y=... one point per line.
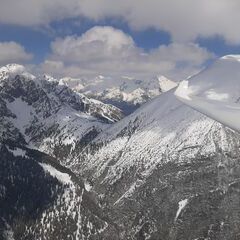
x=73, y=167
x=126, y=93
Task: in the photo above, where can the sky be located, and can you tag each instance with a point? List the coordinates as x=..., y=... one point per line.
x=141, y=39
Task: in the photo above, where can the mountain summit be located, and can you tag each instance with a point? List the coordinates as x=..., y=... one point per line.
x=125, y=92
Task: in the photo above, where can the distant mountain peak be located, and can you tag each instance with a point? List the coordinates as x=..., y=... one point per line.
x=12, y=70
x=165, y=83
x=125, y=92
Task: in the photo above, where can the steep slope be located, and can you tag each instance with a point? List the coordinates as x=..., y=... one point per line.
x=169, y=171
x=220, y=102
x=47, y=116
x=39, y=198
x=124, y=92
x=42, y=200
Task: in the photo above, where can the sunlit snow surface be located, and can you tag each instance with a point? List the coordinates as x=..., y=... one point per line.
x=215, y=92
x=123, y=88
x=17, y=152
x=181, y=205
x=62, y=177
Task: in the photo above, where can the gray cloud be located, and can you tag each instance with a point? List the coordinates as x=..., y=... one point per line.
x=37, y=12
x=11, y=52
x=185, y=20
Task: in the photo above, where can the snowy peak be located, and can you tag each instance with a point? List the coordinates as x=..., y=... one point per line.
x=166, y=127
x=124, y=91
x=220, y=81
x=165, y=143
x=45, y=115
x=12, y=70
x=48, y=78
x=165, y=152
x=74, y=83
x=215, y=91
x=166, y=84
x=25, y=82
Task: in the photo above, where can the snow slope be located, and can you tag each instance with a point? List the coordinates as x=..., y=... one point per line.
x=167, y=128
x=215, y=92
x=162, y=128
x=165, y=152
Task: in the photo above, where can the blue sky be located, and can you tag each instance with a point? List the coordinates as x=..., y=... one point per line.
x=156, y=36
x=37, y=40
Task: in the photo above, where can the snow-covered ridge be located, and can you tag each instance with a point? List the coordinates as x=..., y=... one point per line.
x=123, y=89
x=165, y=129
x=168, y=154
x=215, y=91
x=120, y=91
x=11, y=70
x=165, y=157
x=166, y=84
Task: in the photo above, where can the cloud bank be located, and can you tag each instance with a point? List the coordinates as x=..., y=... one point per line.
x=110, y=51
x=185, y=20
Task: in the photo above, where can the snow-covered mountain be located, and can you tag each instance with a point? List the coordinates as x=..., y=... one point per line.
x=164, y=172
x=217, y=100
x=39, y=198
x=124, y=92
x=47, y=115
x=169, y=171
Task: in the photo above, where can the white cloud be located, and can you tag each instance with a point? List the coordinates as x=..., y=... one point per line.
x=109, y=51
x=97, y=42
x=11, y=52
x=184, y=19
